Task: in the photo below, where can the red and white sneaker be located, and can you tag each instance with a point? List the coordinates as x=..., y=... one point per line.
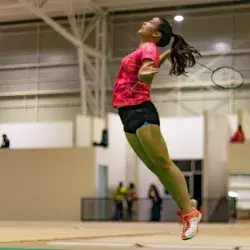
x=190, y=224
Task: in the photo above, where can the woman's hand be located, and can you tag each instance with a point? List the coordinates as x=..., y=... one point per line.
x=148, y=68
x=148, y=71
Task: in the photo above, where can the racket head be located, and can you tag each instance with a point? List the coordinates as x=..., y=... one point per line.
x=226, y=77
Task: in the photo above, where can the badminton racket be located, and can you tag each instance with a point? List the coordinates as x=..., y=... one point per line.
x=226, y=77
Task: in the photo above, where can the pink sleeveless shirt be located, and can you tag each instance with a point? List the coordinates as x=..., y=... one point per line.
x=128, y=89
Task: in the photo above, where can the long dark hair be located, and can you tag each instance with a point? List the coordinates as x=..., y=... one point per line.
x=182, y=55
x=155, y=189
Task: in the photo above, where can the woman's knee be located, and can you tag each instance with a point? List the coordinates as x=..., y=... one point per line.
x=162, y=162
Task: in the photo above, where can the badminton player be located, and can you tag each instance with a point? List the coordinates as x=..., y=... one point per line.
x=131, y=96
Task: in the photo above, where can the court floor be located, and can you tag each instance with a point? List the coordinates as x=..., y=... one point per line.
x=88, y=236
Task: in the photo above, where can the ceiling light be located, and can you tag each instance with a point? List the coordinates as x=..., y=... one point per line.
x=222, y=47
x=178, y=18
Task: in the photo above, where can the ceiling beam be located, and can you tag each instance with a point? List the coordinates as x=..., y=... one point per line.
x=42, y=3
x=182, y=7
x=124, y=9
x=58, y=28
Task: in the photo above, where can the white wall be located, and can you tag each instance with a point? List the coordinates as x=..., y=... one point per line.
x=184, y=136
x=245, y=122
x=98, y=126
x=84, y=132
x=232, y=123
x=39, y=135
x=54, y=134
x=117, y=151
x=101, y=159
x=216, y=160
x=88, y=130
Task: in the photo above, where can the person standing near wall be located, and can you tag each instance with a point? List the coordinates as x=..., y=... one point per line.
x=6, y=141
x=104, y=139
x=239, y=136
x=131, y=198
x=154, y=196
x=120, y=194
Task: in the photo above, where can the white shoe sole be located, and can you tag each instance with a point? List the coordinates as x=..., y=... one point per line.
x=199, y=219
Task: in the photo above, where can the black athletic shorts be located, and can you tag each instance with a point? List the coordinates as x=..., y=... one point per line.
x=133, y=117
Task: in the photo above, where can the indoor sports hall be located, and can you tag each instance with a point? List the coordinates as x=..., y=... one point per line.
x=66, y=167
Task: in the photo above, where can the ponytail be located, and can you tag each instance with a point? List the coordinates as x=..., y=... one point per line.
x=182, y=56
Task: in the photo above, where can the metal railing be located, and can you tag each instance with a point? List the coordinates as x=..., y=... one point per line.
x=106, y=209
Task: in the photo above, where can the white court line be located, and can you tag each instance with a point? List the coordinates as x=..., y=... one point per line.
x=192, y=246
x=93, y=244
x=104, y=244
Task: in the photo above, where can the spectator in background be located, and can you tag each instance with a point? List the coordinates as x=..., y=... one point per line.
x=154, y=195
x=5, y=142
x=120, y=195
x=239, y=136
x=104, y=140
x=131, y=197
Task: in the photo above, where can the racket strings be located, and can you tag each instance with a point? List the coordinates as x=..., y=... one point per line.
x=227, y=77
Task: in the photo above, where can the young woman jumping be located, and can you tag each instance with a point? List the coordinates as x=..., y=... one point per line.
x=131, y=96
